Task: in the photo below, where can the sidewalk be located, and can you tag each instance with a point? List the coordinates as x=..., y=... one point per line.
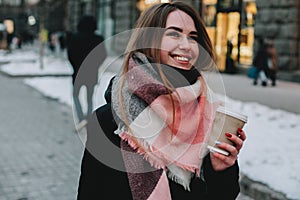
x=40, y=153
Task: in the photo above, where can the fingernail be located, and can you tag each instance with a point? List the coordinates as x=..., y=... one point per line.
x=228, y=135
x=239, y=130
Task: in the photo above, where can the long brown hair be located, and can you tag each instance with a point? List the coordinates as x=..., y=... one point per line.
x=146, y=41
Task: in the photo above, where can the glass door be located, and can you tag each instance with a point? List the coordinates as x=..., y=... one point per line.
x=227, y=31
x=230, y=22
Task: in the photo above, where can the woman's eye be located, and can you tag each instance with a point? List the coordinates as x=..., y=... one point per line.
x=173, y=34
x=194, y=38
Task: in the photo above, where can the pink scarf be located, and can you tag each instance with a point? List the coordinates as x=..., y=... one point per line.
x=174, y=143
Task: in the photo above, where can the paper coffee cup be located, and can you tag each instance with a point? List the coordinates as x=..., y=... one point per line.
x=226, y=121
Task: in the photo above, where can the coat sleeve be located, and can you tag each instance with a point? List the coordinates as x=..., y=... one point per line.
x=223, y=184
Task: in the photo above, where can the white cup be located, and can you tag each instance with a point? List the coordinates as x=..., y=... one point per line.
x=226, y=121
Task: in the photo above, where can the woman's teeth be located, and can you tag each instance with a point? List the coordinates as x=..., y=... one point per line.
x=180, y=58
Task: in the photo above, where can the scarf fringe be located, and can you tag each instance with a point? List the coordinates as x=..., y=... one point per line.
x=180, y=181
x=142, y=150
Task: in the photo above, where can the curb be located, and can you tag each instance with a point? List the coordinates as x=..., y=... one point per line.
x=289, y=76
x=33, y=75
x=292, y=76
x=258, y=190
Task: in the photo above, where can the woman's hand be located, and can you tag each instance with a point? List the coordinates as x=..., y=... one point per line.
x=221, y=162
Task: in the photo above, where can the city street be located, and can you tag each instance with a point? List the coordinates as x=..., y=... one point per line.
x=41, y=152
x=41, y=148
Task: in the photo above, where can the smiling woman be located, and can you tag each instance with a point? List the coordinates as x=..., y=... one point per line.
x=150, y=103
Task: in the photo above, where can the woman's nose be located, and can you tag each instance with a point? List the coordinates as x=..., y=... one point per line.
x=184, y=43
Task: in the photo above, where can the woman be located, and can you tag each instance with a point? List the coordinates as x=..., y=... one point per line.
x=158, y=152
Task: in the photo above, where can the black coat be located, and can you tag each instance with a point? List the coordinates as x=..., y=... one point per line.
x=260, y=60
x=99, y=181
x=81, y=44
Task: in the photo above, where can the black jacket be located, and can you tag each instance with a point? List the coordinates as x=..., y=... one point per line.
x=98, y=180
x=80, y=46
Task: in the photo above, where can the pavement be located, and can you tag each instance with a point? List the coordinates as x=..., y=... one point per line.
x=39, y=150
x=41, y=153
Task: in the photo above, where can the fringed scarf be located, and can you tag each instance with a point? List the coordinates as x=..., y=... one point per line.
x=171, y=141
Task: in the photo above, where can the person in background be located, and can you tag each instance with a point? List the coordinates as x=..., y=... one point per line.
x=78, y=48
x=62, y=41
x=230, y=67
x=143, y=144
x=272, y=61
x=52, y=42
x=260, y=61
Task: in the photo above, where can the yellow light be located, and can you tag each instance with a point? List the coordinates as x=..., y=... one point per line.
x=251, y=8
x=9, y=26
x=210, y=1
x=151, y=1
x=144, y=4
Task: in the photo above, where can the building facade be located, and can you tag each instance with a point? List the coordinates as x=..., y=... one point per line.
x=76, y=9
x=25, y=18
x=236, y=22
x=280, y=21
x=239, y=22
x=12, y=17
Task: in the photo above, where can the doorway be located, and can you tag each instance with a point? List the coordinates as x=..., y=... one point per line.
x=227, y=31
x=230, y=24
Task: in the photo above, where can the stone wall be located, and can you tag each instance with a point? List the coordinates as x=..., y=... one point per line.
x=76, y=9
x=125, y=13
x=279, y=20
x=73, y=15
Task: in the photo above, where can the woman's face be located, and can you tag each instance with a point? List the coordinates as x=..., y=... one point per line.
x=179, y=47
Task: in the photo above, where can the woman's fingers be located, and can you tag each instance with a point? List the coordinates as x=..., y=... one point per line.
x=221, y=161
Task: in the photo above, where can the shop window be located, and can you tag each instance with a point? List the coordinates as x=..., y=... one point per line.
x=209, y=15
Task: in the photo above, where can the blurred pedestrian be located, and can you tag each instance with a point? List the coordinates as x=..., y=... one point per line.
x=78, y=48
x=62, y=41
x=260, y=62
x=52, y=40
x=272, y=61
x=230, y=67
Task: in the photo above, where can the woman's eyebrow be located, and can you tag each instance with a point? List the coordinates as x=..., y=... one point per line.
x=180, y=30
